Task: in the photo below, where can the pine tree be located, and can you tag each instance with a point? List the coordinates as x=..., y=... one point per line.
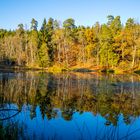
x=43, y=56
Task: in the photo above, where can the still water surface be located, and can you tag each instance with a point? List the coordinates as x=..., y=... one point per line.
x=70, y=106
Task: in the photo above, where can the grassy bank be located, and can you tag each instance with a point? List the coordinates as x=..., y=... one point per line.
x=102, y=69
x=78, y=68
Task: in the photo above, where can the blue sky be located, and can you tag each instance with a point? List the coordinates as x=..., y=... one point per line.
x=85, y=12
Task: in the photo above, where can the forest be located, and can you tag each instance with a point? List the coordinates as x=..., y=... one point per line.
x=112, y=45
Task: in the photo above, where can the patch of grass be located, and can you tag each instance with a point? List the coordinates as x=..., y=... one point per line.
x=57, y=69
x=118, y=71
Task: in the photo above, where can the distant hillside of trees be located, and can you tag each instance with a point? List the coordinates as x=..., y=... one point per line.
x=110, y=45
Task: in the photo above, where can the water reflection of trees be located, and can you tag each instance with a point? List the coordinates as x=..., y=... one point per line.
x=12, y=130
x=107, y=95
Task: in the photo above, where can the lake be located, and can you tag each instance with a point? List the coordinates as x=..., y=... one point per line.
x=69, y=106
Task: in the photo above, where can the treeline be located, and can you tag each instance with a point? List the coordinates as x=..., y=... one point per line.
x=110, y=45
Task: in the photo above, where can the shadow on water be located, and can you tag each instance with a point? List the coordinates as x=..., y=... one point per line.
x=77, y=106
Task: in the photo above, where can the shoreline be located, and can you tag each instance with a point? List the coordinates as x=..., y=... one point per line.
x=80, y=69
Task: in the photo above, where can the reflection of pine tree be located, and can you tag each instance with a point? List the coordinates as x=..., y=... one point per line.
x=67, y=114
x=33, y=112
x=45, y=93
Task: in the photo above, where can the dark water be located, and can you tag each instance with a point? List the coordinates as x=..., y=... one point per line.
x=72, y=106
